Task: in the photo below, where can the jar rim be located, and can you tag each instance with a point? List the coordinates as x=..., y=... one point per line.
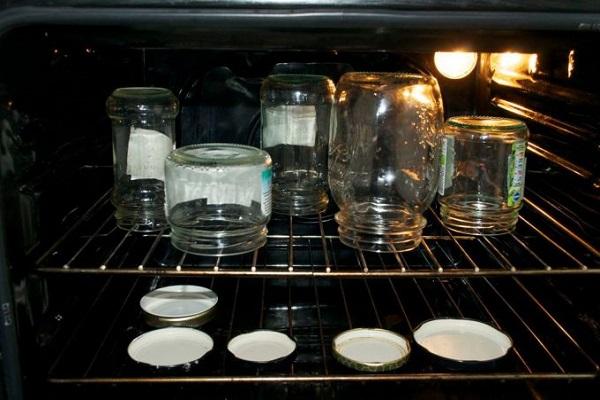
x=230, y=154
x=486, y=123
x=297, y=79
x=141, y=92
x=382, y=78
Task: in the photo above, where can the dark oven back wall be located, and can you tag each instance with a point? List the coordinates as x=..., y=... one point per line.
x=53, y=89
x=53, y=96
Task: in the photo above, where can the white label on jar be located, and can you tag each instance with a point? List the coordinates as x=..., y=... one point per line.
x=446, y=164
x=222, y=185
x=291, y=125
x=265, y=183
x=146, y=153
x=515, y=178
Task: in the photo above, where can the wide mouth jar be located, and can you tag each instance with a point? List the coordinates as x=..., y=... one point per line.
x=218, y=198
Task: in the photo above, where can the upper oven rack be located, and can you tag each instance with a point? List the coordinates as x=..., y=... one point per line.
x=301, y=247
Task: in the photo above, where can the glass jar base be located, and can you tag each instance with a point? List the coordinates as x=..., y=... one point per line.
x=397, y=235
x=139, y=220
x=297, y=205
x=479, y=218
x=217, y=244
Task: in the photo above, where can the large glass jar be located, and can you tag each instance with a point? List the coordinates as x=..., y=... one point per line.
x=296, y=111
x=482, y=174
x=143, y=128
x=384, y=158
x=218, y=198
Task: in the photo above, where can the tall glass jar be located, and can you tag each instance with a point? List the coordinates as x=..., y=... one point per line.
x=482, y=174
x=143, y=128
x=296, y=111
x=384, y=158
x=218, y=198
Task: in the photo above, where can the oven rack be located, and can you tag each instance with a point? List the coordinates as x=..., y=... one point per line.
x=301, y=247
x=313, y=311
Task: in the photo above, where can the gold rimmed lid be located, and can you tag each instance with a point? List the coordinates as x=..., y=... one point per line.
x=371, y=349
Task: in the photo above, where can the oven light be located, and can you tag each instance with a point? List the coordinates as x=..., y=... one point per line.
x=455, y=64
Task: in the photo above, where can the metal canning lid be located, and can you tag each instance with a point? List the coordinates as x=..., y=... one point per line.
x=170, y=347
x=261, y=346
x=487, y=124
x=462, y=340
x=179, y=305
x=371, y=350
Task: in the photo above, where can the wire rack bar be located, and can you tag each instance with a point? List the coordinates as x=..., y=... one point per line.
x=329, y=378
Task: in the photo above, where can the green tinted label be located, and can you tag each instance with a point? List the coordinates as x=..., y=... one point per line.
x=515, y=178
x=446, y=164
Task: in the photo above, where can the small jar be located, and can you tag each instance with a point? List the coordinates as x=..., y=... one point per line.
x=218, y=198
x=143, y=128
x=384, y=158
x=296, y=112
x=482, y=174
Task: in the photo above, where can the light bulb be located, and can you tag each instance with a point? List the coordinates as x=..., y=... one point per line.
x=455, y=64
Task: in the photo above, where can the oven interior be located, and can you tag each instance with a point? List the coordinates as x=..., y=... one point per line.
x=77, y=279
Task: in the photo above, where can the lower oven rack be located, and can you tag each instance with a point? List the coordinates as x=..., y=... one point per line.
x=313, y=311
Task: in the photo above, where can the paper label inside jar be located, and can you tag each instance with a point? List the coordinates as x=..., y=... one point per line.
x=289, y=125
x=217, y=186
x=515, y=178
x=446, y=164
x=146, y=153
x=265, y=181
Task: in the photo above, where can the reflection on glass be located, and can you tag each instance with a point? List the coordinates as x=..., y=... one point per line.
x=513, y=69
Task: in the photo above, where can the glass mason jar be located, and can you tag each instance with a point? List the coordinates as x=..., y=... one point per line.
x=296, y=111
x=384, y=158
x=218, y=198
x=482, y=174
x=143, y=128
